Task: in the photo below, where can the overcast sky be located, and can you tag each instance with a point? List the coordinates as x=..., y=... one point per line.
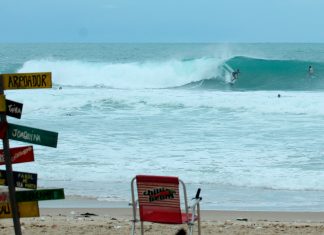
x=162, y=21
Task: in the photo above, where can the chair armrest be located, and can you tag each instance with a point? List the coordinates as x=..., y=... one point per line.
x=196, y=201
x=195, y=204
x=197, y=198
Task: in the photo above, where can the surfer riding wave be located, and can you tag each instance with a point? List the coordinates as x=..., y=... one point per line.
x=235, y=75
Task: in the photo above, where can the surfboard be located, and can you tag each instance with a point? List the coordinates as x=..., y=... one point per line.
x=229, y=70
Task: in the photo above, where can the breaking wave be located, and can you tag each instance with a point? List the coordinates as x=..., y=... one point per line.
x=195, y=73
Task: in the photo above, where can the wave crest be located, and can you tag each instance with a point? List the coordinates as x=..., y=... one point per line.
x=165, y=74
x=196, y=73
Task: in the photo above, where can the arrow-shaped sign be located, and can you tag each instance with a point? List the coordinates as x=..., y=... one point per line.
x=32, y=135
x=19, y=155
x=21, y=179
x=26, y=209
x=27, y=80
x=13, y=109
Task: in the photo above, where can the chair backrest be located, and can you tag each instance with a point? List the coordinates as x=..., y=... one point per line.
x=159, y=199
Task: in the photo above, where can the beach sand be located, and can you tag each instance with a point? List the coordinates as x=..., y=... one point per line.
x=117, y=221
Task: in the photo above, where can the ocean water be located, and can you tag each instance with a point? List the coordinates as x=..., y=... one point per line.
x=169, y=109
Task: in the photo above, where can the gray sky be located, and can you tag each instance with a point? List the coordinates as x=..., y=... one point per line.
x=162, y=21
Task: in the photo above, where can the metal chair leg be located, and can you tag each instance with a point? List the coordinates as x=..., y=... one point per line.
x=190, y=229
x=142, y=228
x=133, y=228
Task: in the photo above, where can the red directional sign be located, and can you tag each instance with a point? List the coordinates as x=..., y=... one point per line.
x=19, y=154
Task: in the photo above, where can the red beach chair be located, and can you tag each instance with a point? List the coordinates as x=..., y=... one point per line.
x=159, y=202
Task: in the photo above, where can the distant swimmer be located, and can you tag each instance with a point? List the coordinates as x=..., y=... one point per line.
x=310, y=71
x=279, y=95
x=235, y=75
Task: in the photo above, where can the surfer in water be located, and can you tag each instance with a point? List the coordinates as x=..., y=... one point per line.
x=310, y=71
x=235, y=75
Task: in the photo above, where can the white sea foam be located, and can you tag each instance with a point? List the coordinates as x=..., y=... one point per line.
x=246, y=150
x=239, y=139
x=148, y=74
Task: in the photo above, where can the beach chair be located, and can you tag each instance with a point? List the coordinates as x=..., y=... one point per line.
x=158, y=199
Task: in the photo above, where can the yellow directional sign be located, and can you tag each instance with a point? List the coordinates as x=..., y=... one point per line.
x=26, y=80
x=26, y=209
x=2, y=103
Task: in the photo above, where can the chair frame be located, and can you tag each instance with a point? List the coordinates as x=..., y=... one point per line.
x=191, y=217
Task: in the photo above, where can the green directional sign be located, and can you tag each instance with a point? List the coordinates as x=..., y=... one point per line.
x=39, y=195
x=32, y=135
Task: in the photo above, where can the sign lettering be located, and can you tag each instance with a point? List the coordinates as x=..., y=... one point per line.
x=19, y=155
x=13, y=109
x=27, y=80
x=21, y=179
x=32, y=135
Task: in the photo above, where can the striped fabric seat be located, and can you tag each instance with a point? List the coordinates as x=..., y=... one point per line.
x=158, y=198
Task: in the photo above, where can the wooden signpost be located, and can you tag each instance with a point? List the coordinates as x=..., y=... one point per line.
x=26, y=80
x=23, y=203
x=26, y=209
x=32, y=135
x=35, y=195
x=21, y=179
x=19, y=155
x=13, y=109
x=2, y=103
x=3, y=129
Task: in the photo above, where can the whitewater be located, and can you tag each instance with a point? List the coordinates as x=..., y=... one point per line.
x=169, y=109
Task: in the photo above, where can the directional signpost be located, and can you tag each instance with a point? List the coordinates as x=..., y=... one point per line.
x=35, y=195
x=26, y=209
x=13, y=109
x=19, y=154
x=21, y=179
x=2, y=103
x=26, y=80
x=32, y=135
x=3, y=128
x=23, y=203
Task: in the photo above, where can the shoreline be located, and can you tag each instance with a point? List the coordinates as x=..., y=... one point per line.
x=91, y=202
x=122, y=209
x=206, y=215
